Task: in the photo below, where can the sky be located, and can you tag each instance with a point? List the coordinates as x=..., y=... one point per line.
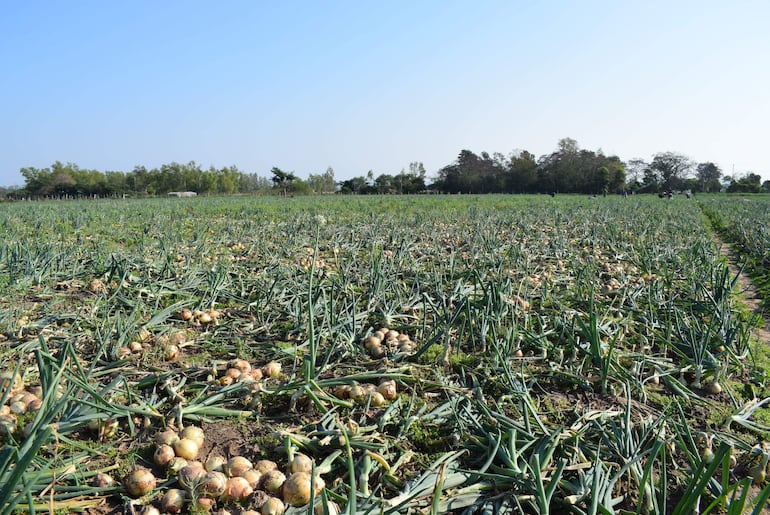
x=363, y=85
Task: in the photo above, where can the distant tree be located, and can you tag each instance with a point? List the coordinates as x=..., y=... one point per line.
x=324, y=182
x=635, y=172
x=282, y=180
x=749, y=183
x=708, y=175
x=356, y=185
x=670, y=169
x=521, y=176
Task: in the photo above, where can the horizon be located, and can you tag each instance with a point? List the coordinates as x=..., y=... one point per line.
x=306, y=86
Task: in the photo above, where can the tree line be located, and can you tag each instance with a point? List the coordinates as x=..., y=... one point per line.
x=569, y=169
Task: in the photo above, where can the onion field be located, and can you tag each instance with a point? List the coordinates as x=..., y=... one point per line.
x=383, y=355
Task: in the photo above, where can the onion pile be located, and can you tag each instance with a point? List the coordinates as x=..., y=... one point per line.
x=223, y=481
x=377, y=396
x=19, y=402
x=200, y=317
x=386, y=341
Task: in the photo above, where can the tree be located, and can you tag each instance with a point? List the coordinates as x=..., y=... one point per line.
x=708, y=175
x=324, y=182
x=282, y=180
x=635, y=172
x=671, y=169
x=749, y=183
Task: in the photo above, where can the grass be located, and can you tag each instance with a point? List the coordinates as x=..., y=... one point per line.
x=562, y=346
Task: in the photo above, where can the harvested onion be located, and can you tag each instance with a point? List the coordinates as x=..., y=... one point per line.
x=186, y=448
x=297, y=488
x=139, y=482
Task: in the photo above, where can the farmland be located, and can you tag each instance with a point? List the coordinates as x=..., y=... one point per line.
x=465, y=354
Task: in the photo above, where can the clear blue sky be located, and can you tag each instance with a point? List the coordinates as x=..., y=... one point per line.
x=361, y=85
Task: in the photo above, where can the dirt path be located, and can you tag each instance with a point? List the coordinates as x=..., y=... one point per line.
x=747, y=291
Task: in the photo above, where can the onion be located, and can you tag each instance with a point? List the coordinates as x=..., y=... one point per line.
x=236, y=489
x=213, y=483
x=167, y=437
x=237, y=465
x=273, y=506
x=371, y=342
x=341, y=391
x=193, y=433
x=272, y=370
x=173, y=500
x=714, y=388
x=102, y=480
x=150, y=510
x=241, y=364
x=253, y=476
x=265, y=466
x=186, y=448
x=139, y=482
x=186, y=314
x=296, y=489
x=215, y=464
x=388, y=389
x=272, y=481
x=203, y=504
x=163, y=455
x=171, y=352
x=18, y=408
x=190, y=476
x=205, y=318
x=357, y=393
x=177, y=464
x=377, y=400
x=301, y=463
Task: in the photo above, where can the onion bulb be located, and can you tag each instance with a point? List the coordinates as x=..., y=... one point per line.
x=167, y=437
x=272, y=370
x=139, y=482
x=193, y=433
x=300, y=463
x=236, y=489
x=265, y=466
x=253, y=476
x=186, y=448
x=190, y=476
x=237, y=465
x=213, y=483
x=388, y=389
x=272, y=481
x=173, y=500
x=377, y=400
x=215, y=464
x=296, y=489
x=163, y=455
x=273, y=506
